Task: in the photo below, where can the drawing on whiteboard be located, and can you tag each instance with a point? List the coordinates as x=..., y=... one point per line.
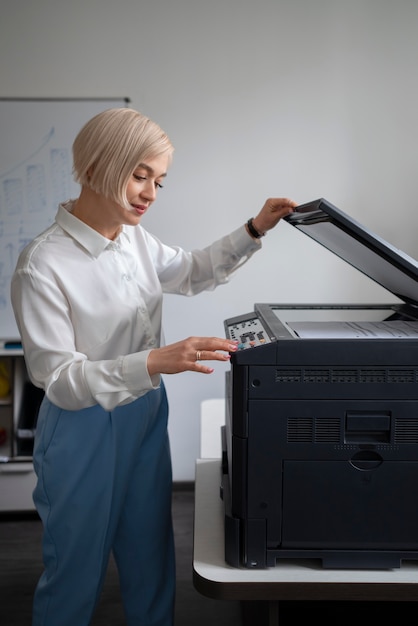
x=36, y=137
x=26, y=159
x=30, y=192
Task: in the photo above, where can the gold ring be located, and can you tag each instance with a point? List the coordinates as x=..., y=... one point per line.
x=198, y=355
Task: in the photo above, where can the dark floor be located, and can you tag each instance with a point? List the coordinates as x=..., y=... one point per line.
x=20, y=567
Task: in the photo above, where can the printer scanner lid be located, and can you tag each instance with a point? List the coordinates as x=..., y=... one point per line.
x=352, y=242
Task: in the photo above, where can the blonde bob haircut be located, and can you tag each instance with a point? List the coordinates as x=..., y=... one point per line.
x=109, y=148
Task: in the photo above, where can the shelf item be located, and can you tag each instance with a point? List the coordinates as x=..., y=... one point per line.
x=19, y=407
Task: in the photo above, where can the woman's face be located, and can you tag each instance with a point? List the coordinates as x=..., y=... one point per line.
x=107, y=216
x=146, y=180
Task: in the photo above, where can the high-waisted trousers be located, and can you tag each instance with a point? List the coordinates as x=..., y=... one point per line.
x=104, y=485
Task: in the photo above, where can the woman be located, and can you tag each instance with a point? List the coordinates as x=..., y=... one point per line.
x=87, y=296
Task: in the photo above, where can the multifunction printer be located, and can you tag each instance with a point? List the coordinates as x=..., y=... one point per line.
x=320, y=442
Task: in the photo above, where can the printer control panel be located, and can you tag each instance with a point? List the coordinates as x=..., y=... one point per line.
x=249, y=332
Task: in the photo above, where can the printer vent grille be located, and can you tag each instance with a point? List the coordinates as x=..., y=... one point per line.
x=327, y=430
x=288, y=376
x=299, y=429
x=344, y=376
x=307, y=430
x=401, y=376
x=316, y=376
x=371, y=375
x=406, y=430
x=334, y=375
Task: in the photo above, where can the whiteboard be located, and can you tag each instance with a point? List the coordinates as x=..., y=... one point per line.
x=36, y=137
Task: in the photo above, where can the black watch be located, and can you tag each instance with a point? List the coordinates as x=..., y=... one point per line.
x=254, y=232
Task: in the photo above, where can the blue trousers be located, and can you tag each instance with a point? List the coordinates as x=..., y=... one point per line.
x=104, y=485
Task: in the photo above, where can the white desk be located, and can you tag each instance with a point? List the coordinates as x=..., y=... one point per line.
x=289, y=580
x=212, y=417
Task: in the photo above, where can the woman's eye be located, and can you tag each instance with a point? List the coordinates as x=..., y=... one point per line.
x=141, y=178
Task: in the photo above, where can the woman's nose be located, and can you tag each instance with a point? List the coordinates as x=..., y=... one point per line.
x=149, y=191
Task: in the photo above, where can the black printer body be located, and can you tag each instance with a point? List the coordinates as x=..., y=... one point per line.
x=320, y=443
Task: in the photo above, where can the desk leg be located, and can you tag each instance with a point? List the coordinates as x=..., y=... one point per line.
x=260, y=613
x=273, y=613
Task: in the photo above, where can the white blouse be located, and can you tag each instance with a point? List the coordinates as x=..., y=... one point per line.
x=89, y=309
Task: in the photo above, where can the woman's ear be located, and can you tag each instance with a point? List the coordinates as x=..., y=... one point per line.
x=89, y=173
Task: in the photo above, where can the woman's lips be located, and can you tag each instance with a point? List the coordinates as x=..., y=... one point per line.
x=139, y=208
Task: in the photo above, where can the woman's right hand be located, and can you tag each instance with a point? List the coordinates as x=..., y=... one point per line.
x=188, y=354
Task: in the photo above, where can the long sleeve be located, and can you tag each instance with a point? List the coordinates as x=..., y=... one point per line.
x=89, y=310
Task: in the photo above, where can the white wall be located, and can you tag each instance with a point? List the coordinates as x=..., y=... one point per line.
x=304, y=98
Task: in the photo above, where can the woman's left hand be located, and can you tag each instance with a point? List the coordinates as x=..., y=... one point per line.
x=272, y=212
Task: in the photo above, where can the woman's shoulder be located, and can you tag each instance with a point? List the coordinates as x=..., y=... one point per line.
x=38, y=248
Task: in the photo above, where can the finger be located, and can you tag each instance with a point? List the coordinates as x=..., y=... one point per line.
x=208, y=355
x=215, y=343
x=199, y=356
